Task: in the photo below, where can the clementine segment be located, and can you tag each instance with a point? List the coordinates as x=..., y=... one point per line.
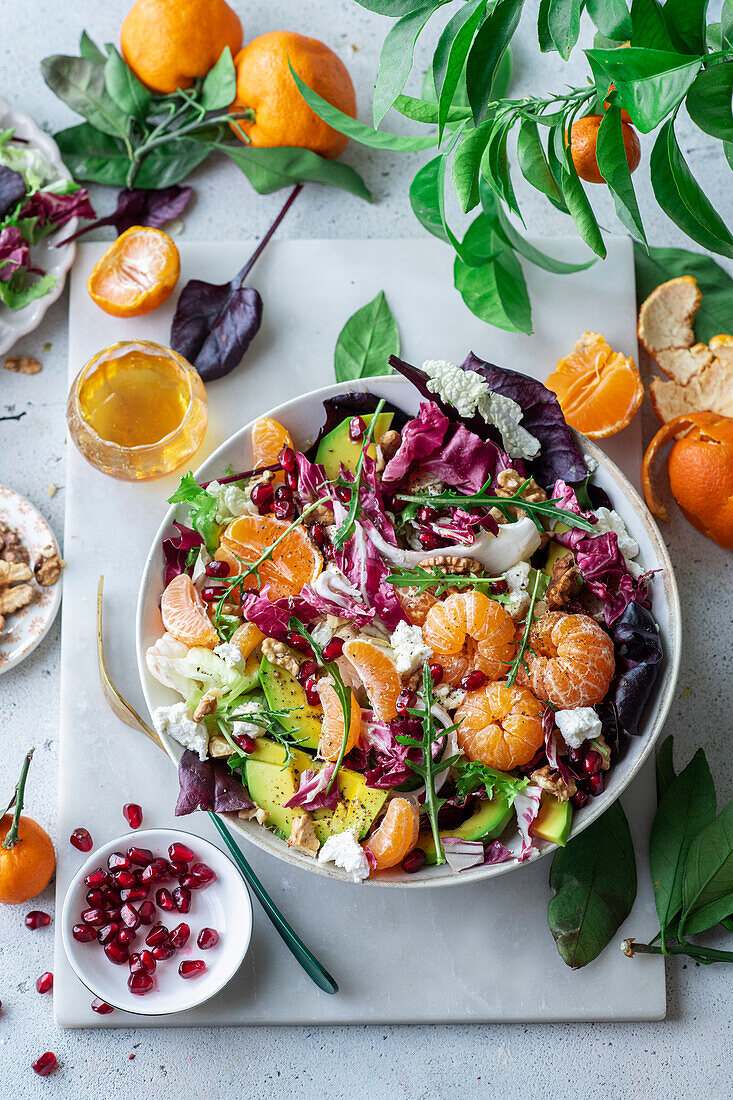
x=378, y=674
x=294, y=562
x=469, y=631
x=184, y=614
x=265, y=86
x=501, y=726
x=570, y=659
x=136, y=274
x=268, y=438
x=599, y=390
x=169, y=43
x=332, y=727
x=396, y=835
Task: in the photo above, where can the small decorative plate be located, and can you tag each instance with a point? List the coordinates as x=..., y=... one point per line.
x=24, y=629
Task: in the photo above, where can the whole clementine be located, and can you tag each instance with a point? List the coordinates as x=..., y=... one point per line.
x=583, y=142
x=700, y=473
x=27, y=858
x=266, y=87
x=169, y=43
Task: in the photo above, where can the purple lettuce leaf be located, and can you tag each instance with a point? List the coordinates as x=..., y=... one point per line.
x=15, y=255
x=312, y=481
x=461, y=854
x=136, y=206
x=527, y=805
x=360, y=561
x=272, y=616
x=176, y=548
x=390, y=767
x=56, y=210
x=12, y=189
x=421, y=437
x=332, y=594
x=215, y=323
x=638, y=656
x=603, y=568
x=208, y=785
x=496, y=852
x=565, y=497
x=312, y=794
x=466, y=462
x=346, y=405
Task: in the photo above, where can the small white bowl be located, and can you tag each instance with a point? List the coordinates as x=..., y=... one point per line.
x=224, y=905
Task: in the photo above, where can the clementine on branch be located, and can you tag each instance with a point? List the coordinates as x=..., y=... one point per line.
x=583, y=141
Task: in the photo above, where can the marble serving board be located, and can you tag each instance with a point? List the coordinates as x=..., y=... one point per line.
x=479, y=953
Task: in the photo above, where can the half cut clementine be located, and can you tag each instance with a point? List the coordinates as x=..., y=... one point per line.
x=293, y=563
x=599, y=389
x=136, y=274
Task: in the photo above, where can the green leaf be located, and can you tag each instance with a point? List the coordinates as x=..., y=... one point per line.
x=90, y=50
x=219, y=88
x=467, y=163
x=19, y=291
x=393, y=8
x=492, y=39
x=451, y=53
x=132, y=97
x=593, y=881
x=687, y=806
x=686, y=22
x=395, y=60
x=659, y=264
x=574, y=195
x=425, y=110
x=495, y=164
x=170, y=163
x=427, y=199
x=533, y=164
x=543, y=27
x=503, y=76
x=366, y=342
x=614, y=167
x=540, y=259
x=202, y=508
x=681, y=197
x=270, y=169
x=707, y=889
x=93, y=156
x=648, y=26
x=649, y=83
x=496, y=292
x=80, y=84
x=563, y=24
x=665, y=763
x=709, y=101
x=611, y=17
x=365, y=135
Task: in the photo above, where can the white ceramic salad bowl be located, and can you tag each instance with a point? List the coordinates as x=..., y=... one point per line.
x=303, y=418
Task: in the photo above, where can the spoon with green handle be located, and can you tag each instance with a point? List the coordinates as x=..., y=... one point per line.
x=127, y=714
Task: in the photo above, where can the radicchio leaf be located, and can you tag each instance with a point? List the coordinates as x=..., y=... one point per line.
x=208, y=785
x=56, y=210
x=176, y=549
x=421, y=437
x=391, y=766
x=604, y=571
x=273, y=616
x=527, y=806
x=138, y=206
x=12, y=189
x=639, y=652
x=466, y=462
x=367, y=571
x=15, y=255
x=312, y=794
x=461, y=854
x=496, y=852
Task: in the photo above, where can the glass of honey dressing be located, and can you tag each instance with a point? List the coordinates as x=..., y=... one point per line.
x=137, y=410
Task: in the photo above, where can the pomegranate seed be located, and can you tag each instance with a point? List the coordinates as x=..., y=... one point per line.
x=579, y=799
x=182, y=898
x=115, y=913
x=211, y=593
x=189, y=882
x=135, y=893
x=343, y=494
x=101, y=1007
x=297, y=641
x=164, y=900
x=333, y=649
x=46, y=1064
x=357, y=427
x=592, y=762
x=307, y=670
x=217, y=569
x=472, y=681
x=125, y=879
x=97, y=917
x=134, y=962
x=150, y=874
x=291, y=480
x=426, y=514
x=157, y=934
x=283, y=493
x=207, y=938
x=180, y=853
x=141, y=856
x=247, y=744
x=318, y=534
x=596, y=784
x=96, y=899
x=111, y=896
x=312, y=696
x=498, y=588
x=283, y=509
x=108, y=932
x=126, y=936
x=83, y=933
x=82, y=839
x=405, y=700
x=117, y=862
x=182, y=868
x=262, y=494
x=140, y=983
x=414, y=861
x=575, y=756
x=192, y=968
x=146, y=912
x=45, y=982
x=37, y=919
x=436, y=672
x=130, y=916
x=117, y=953
x=147, y=961
x=428, y=540
x=203, y=873
x=286, y=458
x=133, y=814
x=179, y=936
x=97, y=877
x=162, y=951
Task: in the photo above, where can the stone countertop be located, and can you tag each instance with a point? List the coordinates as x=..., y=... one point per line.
x=682, y=1056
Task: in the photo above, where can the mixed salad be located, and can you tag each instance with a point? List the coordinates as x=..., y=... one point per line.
x=421, y=640
x=33, y=203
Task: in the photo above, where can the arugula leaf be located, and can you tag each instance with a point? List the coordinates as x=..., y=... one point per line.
x=665, y=766
x=614, y=168
x=201, y=509
x=709, y=101
x=593, y=881
x=395, y=59
x=438, y=582
x=270, y=169
x=366, y=342
x=707, y=888
x=487, y=50
x=649, y=83
x=659, y=264
x=451, y=53
x=686, y=807
x=471, y=775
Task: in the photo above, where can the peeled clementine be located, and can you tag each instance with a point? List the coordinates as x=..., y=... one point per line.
x=396, y=835
x=136, y=274
x=184, y=614
x=700, y=473
x=169, y=43
x=293, y=563
x=583, y=141
x=599, y=390
x=377, y=672
x=266, y=87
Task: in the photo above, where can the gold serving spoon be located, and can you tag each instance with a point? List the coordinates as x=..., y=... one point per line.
x=127, y=714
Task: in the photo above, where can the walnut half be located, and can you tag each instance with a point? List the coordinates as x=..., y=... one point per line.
x=553, y=783
x=303, y=835
x=279, y=654
x=48, y=566
x=565, y=582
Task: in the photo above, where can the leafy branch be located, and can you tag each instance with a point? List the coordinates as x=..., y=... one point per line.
x=433, y=580
x=342, y=691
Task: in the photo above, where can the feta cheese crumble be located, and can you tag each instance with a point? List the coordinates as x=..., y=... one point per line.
x=517, y=596
x=231, y=502
x=344, y=850
x=469, y=393
x=611, y=521
x=409, y=647
x=230, y=653
x=176, y=721
x=578, y=725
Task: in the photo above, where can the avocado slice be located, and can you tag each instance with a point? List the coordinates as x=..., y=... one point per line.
x=270, y=786
x=554, y=820
x=357, y=807
x=489, y=821
x=283, y=692
x=336, y=447
x=269, y=752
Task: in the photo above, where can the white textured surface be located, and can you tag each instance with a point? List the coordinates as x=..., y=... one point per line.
x=686, y=1055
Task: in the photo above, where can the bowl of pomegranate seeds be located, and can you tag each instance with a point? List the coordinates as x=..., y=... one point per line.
x=156, y=921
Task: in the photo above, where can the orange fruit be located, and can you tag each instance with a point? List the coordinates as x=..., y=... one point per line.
x=415, y=603
x=501, y=726
x=469, y=631
x=378, y=674
x=700, y=472
x=169, y=43
x=27, y=867
x=268, y=439
x=332, y=727
x=396, y=834
x=246, y=638
x=599, y=389
x=583, y=140
x=136, y=274
x=570, y=660
x=294, y=563
x=266, y=87
x=184, y=614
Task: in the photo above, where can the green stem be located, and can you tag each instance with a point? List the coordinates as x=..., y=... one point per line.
x=428, y=764
x=534, y=509
x=12, y=838
x=517, y=662
x=702, y=954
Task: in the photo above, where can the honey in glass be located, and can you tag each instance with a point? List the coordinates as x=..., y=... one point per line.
x=137, y=410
